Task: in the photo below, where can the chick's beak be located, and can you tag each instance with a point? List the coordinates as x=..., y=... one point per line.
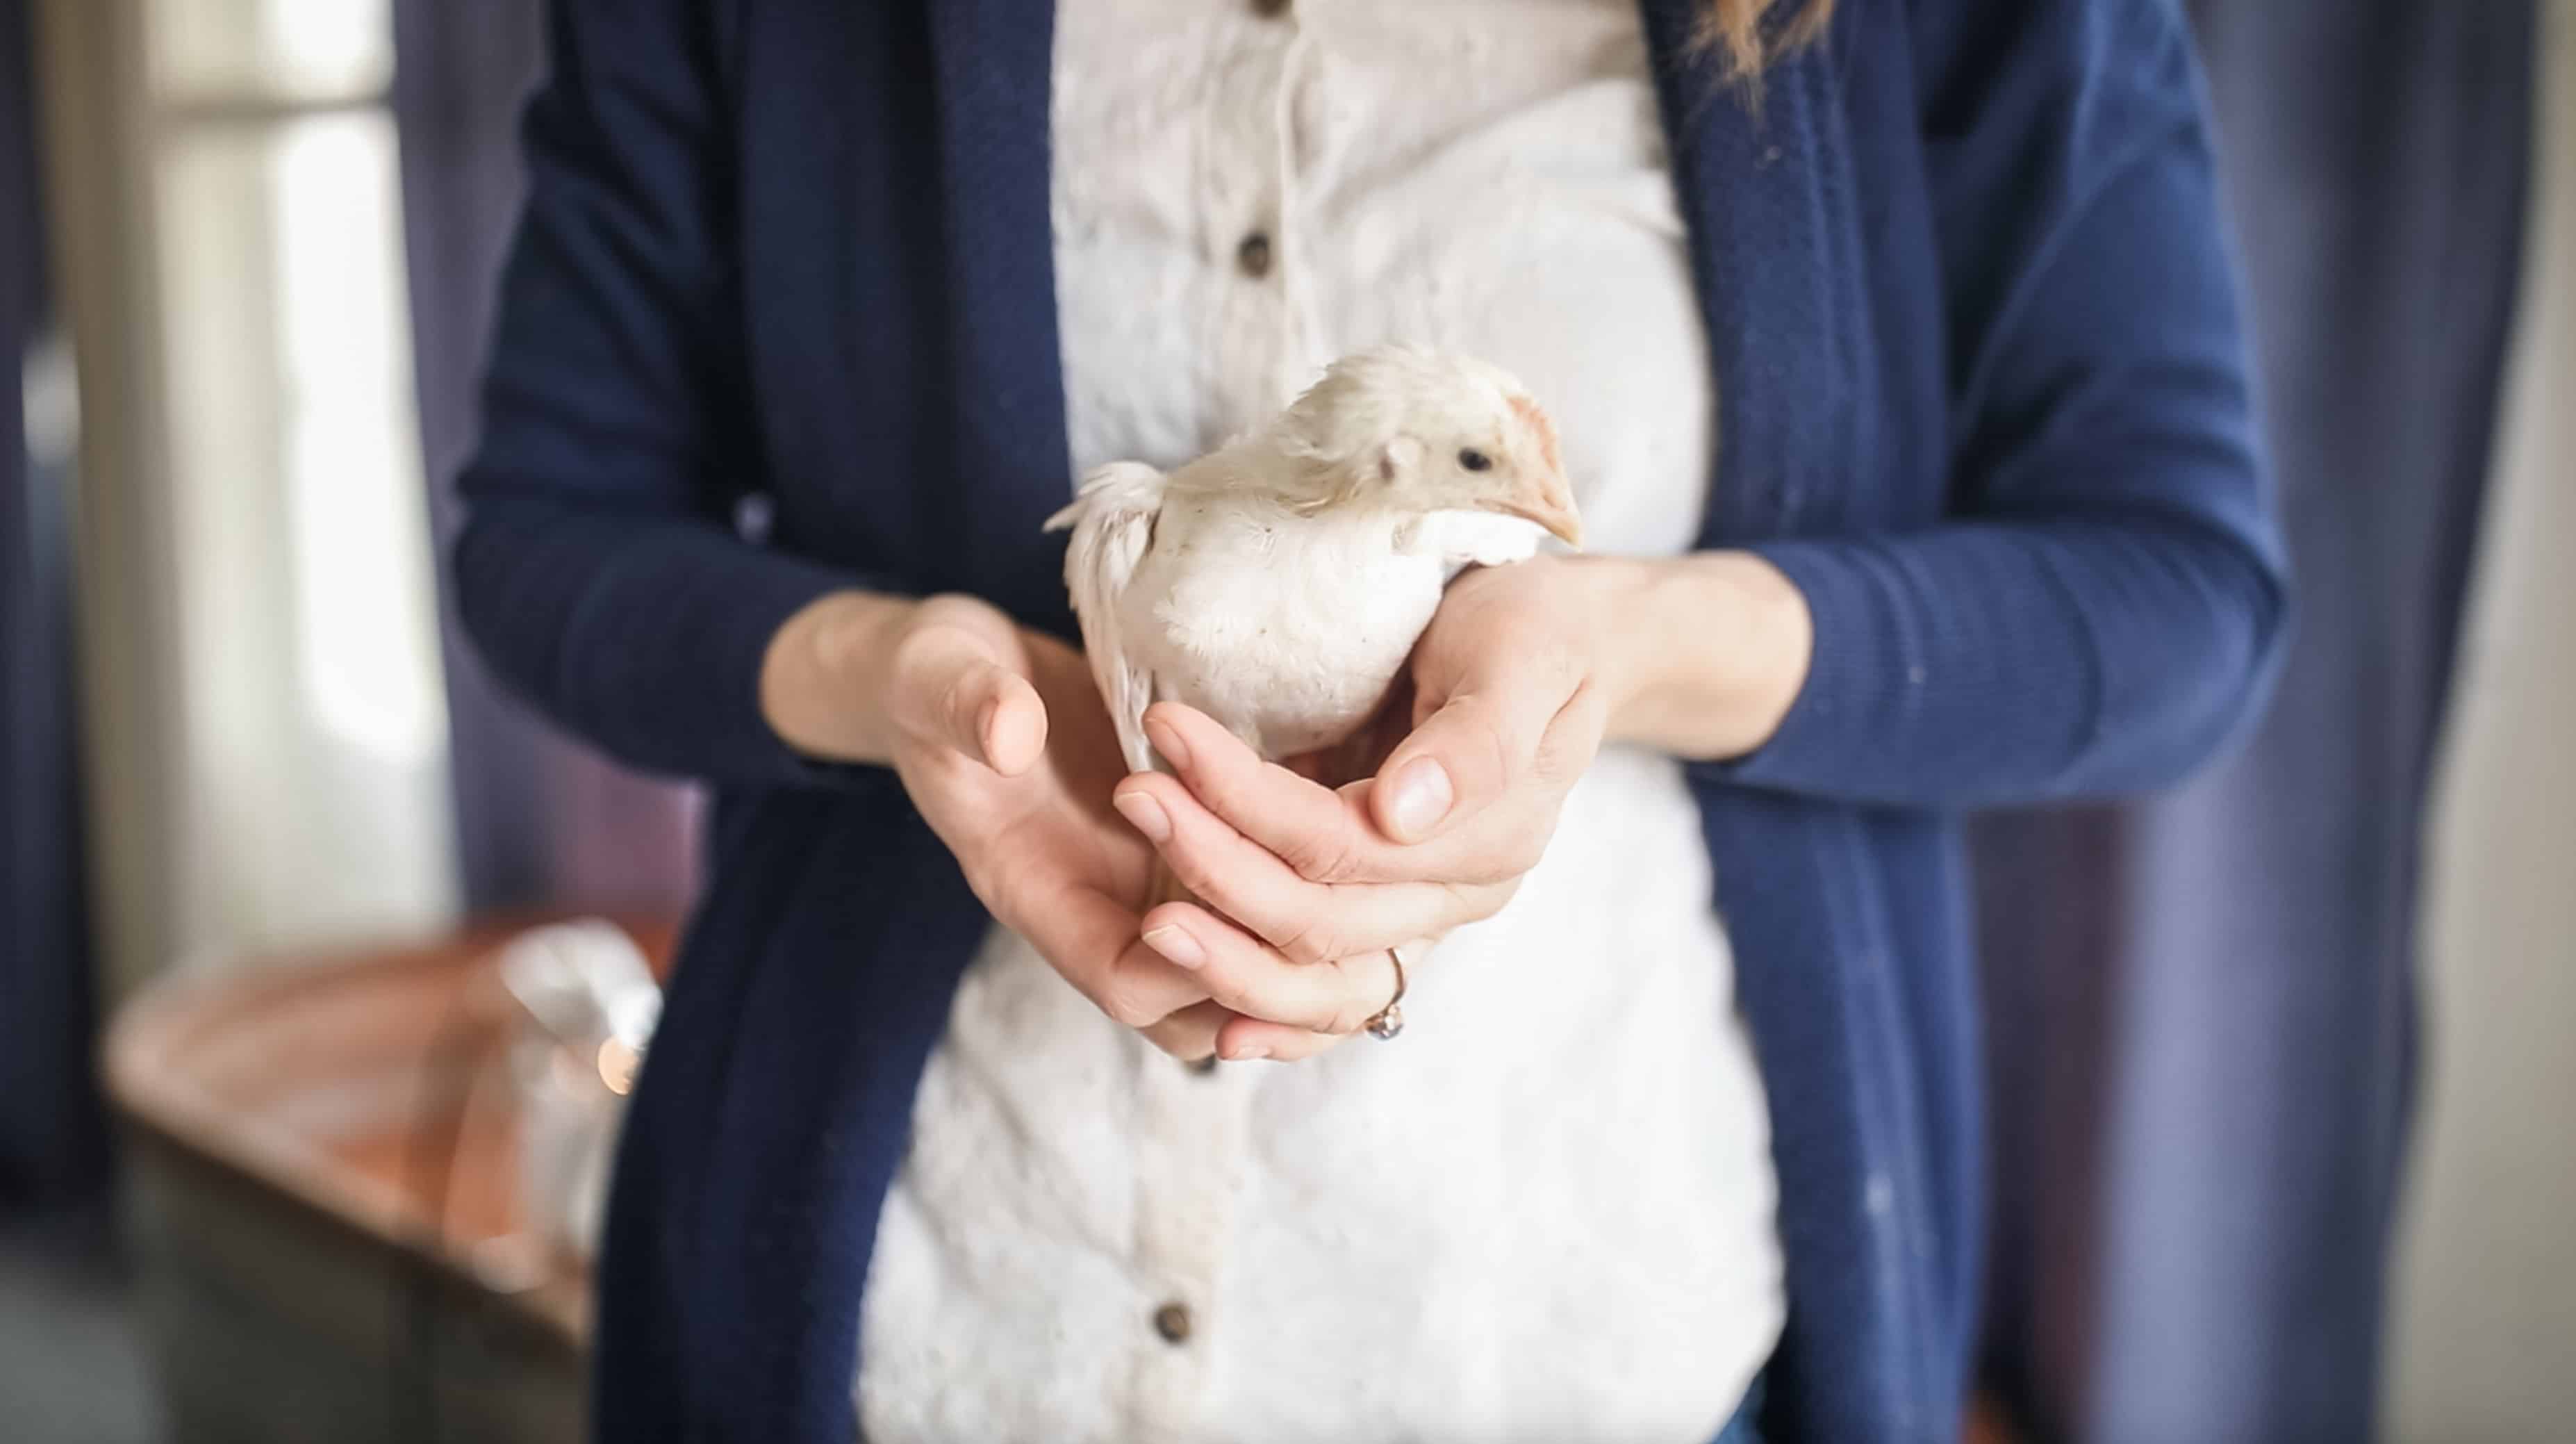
x=1547, y=499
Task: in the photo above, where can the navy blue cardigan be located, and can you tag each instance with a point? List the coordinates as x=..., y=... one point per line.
x=1984, y=399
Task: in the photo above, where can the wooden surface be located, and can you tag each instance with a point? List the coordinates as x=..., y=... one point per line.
x=366, y=1088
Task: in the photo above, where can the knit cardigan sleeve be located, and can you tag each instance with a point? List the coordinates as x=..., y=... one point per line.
x=2103, y=603
x=598, y=570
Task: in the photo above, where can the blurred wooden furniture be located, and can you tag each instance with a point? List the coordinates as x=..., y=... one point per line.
x=322, y=1173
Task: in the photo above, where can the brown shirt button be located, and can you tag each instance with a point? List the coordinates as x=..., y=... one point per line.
x=1269, y=9
x=1254, y=255
x=1203, y=1066
x=1172, y=1321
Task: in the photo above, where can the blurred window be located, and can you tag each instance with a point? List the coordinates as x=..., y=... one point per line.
x=313, y=782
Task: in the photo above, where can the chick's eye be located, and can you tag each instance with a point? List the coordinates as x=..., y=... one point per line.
x=1475, y=460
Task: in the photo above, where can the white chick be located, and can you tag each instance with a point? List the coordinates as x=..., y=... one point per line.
x=1279, y=583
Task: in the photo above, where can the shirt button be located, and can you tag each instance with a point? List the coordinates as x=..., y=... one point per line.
x=1269, y=9
x=1203, y=1066
x=1254, y=255
x=1172, y=1321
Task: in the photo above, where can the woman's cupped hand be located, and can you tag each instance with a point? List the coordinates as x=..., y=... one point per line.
x=1306, y=888
x=1000, y=737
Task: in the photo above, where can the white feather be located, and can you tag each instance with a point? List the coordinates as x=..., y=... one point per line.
x=1474, y=538
x=1112, y=520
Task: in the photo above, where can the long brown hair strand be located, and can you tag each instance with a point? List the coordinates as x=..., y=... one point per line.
x=1750, y=37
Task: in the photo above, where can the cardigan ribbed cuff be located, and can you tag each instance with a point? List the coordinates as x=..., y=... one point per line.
x=1857, y=687
x=772, y=588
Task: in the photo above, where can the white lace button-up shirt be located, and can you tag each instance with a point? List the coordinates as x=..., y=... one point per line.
x=1546, y=1212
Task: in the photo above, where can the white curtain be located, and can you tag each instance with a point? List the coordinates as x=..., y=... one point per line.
x=2482, y=1344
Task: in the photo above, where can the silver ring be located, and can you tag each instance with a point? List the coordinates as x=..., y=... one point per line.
x=1390, y=1019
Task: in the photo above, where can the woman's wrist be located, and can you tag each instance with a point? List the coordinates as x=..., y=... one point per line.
x=1703, y=654
x=825, y=678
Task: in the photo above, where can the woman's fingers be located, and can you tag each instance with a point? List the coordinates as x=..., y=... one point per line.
x=1469, y=753
x=1091, y=942
x=1141, y=989
x=1010, y=722
x=1251, y=1037
x=1269, y=1007
x=1245, y=1039
x=1322, y=835
x=1191, y=1033
x=953, y=684
x=1250, y=977
x=1196, y=985
x=1310, y=922
x=1510, y=653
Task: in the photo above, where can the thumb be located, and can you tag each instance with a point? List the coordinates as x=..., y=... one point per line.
x=1462, y=757
x=957, y=688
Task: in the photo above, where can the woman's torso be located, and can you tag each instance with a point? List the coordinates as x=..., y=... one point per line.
x=1548, y=1208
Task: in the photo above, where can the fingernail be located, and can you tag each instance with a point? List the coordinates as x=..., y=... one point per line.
x=1253, y=1054
x=1422, y=797
x=1176, y=945
x=1167, y=740
x=1144, y=814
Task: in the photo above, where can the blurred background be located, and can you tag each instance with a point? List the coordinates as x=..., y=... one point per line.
x=304, y=1093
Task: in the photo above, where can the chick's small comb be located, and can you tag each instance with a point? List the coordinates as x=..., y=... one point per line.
x=1530, y=411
